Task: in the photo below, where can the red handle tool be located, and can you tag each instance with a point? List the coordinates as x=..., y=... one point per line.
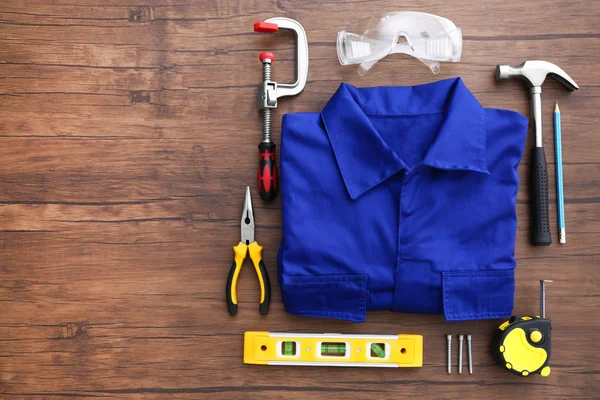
x=267, y=168
x=268, y=93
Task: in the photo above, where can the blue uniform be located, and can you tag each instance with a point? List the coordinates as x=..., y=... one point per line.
x=400, y=198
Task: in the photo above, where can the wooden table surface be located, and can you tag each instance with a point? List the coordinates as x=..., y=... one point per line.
x=128, y=131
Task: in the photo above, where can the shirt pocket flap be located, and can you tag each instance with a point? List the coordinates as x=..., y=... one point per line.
x=478, y=294
x=332, y=296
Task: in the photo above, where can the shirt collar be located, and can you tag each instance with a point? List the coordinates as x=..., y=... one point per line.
x=459, y=145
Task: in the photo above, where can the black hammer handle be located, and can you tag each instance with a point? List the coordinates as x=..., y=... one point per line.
x=540, y=230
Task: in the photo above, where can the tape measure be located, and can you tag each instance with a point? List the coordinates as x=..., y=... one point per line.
x=522, y=344
x=333, y=349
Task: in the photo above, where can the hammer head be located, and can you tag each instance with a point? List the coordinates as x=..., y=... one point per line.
x=534, y=73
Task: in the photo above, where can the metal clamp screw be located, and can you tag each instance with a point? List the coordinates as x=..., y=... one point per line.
x=267, y=95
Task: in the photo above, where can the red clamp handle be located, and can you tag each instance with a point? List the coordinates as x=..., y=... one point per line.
x=265, y=27
x=267, y=171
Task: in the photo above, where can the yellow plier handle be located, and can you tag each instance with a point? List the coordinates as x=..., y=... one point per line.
x=240, y=252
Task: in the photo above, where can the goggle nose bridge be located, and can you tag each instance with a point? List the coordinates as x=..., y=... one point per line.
x=397, y=43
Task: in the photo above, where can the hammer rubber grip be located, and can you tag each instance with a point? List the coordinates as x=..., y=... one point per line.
x=540, y=231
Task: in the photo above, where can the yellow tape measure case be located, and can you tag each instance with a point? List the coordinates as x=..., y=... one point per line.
x=523, y=345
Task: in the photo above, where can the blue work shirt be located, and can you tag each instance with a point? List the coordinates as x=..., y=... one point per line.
x=400, y=198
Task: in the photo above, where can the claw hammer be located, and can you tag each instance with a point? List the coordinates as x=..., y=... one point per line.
x=268, y=93
x=534, y=73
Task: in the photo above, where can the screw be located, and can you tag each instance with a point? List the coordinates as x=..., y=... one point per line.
x=461, y=338
x=470, y=354
x=449, y=352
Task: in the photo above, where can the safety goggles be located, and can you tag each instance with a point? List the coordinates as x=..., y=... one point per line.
x=427, y=37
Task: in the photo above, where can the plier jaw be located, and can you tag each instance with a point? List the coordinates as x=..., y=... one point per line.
x=247, y=223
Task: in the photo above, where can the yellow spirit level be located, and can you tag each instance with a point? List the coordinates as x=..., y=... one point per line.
x=333, y=349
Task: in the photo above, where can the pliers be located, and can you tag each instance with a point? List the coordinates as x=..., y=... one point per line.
x=245, y=246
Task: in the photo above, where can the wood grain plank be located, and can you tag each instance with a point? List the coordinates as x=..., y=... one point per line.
x=127, y=133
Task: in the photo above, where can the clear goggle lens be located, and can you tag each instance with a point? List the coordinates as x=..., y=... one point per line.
x=427, y=37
